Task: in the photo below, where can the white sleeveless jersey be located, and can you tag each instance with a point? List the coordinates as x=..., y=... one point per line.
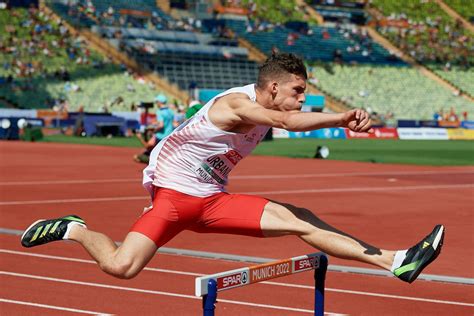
x=197, y=157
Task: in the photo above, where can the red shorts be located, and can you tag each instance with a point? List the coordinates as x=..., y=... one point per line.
x=226, y=213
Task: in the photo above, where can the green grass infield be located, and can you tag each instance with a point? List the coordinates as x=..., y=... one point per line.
x=418, y=152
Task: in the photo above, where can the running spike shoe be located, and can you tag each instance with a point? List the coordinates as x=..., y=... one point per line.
x=47, y=230
x=421, y=255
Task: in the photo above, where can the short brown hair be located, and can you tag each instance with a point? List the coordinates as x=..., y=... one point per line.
x=280, y=64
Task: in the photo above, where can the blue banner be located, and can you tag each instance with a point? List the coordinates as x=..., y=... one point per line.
x=417, y=123
x=467, y=124
x=326, y=133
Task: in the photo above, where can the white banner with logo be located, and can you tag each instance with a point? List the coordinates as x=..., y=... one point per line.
x=423, y=133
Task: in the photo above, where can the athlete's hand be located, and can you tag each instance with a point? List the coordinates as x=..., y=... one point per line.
x=357, y=120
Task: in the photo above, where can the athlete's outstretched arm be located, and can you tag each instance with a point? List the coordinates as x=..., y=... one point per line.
x=251, y=112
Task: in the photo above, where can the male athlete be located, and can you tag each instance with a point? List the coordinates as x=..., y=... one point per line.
x=188, y=172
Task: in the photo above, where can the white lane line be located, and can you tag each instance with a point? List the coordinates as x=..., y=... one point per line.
x=66, y=309
x=247, y=177
x=107, y=199
x=363, y=293
x=354, y=174
x=92, y=262
x=132, y=289
x=84, y=181
x=366, y=189
x=308, y=311
x=409, y=298
x=304, y=191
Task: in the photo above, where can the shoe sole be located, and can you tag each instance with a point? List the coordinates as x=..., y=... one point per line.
x=29, y=227
x=437, y=245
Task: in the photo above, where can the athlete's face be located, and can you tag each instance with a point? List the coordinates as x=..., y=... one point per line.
x=289, y=93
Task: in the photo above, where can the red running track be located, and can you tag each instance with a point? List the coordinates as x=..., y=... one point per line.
x=391, y=206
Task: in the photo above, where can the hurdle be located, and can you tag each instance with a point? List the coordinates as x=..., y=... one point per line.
x=207, y=286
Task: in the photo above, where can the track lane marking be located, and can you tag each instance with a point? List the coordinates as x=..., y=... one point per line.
x=66, y=309
x=354, y=174
x=333, y=190
x=92, y=262
x=366, y=189
x=178, y=272
x=258, y=260
x=409, y=298
x=53, y=182
x=106, y=199
x=303, y=191
x=132, y=289
x=248, y=177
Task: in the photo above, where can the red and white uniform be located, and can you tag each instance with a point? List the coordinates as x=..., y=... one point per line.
x=186, y=178
x=197, y=157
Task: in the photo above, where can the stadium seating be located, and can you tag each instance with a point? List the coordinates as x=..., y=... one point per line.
x=79, y=14
x=403, y=91
x=424, y=31
x=463, y=7
x=74, y=17
x=115, y=91
x=372, y=77
x=460, y=77
x=84, y=83
x=203, y=60
x=142, y=5
x=315, y=46
x=98, y=89
x=211, y=69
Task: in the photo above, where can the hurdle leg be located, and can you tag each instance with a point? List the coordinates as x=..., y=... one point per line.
x=319, y=279
x=209, y=300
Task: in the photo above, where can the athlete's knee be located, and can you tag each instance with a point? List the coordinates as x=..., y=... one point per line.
x=131, y=257
x=122, y=269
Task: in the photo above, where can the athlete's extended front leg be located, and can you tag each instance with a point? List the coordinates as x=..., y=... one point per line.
x=285, y=219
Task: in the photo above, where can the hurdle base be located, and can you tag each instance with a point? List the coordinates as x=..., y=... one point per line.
x=210, y=299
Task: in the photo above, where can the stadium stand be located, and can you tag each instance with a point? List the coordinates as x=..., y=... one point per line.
x=464, y=8
x=428, y=34
x=315, y=42
x=461, y=77
x=391, y=92
x=169, y=47
x=203, y=71
x=75, y=15
x=44, y=66
x=346, y=12
x=202, y=51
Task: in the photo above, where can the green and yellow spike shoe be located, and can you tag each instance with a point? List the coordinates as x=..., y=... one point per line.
x=421, y=255
x=47, y=230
